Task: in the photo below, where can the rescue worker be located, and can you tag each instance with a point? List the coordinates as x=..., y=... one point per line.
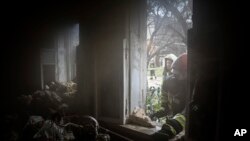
x=169, y=59
x=176, y=88
x=167, y=77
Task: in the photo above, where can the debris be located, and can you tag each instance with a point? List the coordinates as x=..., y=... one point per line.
x=139, y=117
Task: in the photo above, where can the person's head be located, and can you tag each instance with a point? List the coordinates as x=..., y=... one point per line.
x=169, y=59
x=179, y=67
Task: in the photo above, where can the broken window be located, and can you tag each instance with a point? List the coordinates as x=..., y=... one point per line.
x=167, y=25
x=59, y=62
x=66, y=44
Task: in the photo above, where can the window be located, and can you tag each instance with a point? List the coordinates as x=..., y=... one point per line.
x=167, y=25
x=59, y=62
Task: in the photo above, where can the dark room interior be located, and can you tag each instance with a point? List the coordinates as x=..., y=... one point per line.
x=98, y=45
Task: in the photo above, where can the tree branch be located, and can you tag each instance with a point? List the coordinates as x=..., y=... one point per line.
x=154, y=33
x=184, y=38
x=177, y=14
x=149, y=23
x=158, y=50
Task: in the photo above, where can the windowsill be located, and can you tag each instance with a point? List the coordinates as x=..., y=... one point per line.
x=133, y=132
x=141, y=129
x=144, y=131
x=136, y=132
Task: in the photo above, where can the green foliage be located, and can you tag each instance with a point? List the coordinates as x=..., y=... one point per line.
x=153, y=99
x=158, y=71
x=153, y=102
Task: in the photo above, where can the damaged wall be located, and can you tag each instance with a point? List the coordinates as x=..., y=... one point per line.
x=100, y=67
x=109, y=33
x=100, y=63
x=85, y=71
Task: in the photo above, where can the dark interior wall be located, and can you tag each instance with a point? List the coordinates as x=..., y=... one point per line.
x=24, y=57
x=85, y=71
x=216, y=38
x=33, y=27
x=204, y=59
x=100, y=69
x=109, y=61
x=116, y=23
x=27, y=29
x=27, y=26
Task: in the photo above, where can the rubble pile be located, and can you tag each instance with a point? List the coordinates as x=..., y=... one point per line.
x=47, y=115
x=55, y=97
x=139, y=117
